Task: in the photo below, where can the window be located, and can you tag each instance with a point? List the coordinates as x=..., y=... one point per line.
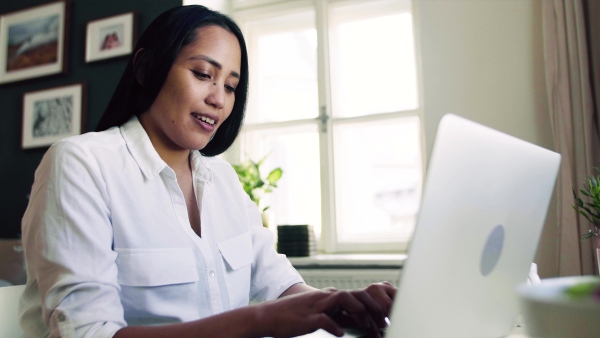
x=334, y=102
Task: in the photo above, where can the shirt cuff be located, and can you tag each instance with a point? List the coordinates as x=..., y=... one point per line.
x=278, y=287
x=61, y=326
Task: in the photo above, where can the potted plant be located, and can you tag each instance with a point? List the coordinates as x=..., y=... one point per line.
x=590, y=209
x=256, y=185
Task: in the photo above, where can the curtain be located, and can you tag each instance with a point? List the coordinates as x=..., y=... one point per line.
x=574, y=129
x=591, y=10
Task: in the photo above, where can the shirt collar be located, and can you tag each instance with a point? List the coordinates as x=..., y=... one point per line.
x=141, y=148
x=147, y=158
x=200, y=167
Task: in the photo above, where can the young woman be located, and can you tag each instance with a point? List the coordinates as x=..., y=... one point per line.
x=137, y=230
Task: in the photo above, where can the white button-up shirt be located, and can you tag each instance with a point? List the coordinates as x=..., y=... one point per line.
x=108, y=242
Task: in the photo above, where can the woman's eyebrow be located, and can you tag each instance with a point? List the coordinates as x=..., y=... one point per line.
x=212, y=62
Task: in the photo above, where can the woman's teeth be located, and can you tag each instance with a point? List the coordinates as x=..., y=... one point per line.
x=205, y=119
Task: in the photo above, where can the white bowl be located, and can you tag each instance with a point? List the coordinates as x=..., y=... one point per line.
x=549, y=312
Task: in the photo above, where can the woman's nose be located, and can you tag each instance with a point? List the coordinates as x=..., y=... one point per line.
x=216, y=96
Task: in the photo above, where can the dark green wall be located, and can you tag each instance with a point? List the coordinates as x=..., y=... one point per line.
x=18, y=166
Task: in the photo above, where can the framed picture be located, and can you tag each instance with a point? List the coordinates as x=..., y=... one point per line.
x=50, y=115
x=33, y=42
x=110, y=37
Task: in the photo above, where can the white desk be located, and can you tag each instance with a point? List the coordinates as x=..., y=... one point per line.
x=518, y=332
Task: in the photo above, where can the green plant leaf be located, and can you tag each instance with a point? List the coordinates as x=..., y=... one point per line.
x=589, y=211
x=274, y=176
x=588, y=235
x=583, y=290
x=585, y=215
x=253, y=182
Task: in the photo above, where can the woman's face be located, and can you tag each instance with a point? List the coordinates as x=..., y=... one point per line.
x=198, y=93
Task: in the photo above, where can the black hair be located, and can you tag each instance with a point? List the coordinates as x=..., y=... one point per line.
x=158, y=47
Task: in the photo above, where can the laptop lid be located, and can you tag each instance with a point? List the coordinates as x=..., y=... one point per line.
x=484, y=204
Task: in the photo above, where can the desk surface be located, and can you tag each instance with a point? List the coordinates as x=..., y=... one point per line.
x=518, y=332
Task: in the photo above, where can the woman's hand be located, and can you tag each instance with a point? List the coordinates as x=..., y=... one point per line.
x=330, y=310
x=377, y=299
x=300, y=311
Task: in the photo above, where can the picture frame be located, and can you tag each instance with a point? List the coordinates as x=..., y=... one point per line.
x=110, y=37
x=50, y=115
x=33, y=42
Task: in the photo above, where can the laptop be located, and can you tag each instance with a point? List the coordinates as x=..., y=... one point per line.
x=484, y=205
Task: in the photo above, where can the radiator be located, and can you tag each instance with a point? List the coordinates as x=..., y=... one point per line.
x=345, y=279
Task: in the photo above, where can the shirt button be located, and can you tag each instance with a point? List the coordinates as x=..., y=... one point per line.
x=61, y=317
x=211, y=274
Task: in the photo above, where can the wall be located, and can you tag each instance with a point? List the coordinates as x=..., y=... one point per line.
x=484, y=60
x=480, y=59
x=17, y=166
x=223, y=6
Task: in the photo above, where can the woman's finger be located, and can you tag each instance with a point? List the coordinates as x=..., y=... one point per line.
x=383, y=295
x=375, y=312
x=323, y=321
x=389, y=289
x=341, y=300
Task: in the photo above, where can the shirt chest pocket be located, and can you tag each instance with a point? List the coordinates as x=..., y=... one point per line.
x=237, y=256
x=157, y=284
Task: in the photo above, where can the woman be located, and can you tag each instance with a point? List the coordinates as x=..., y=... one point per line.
x=133, y=226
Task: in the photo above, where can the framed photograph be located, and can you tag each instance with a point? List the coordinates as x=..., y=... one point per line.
x=50, y=115
x=33, y=42
x=110, y=37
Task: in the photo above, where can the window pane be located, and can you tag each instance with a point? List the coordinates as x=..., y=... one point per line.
x=283, y=67
x=297, y=199
x=372, y=59
x=377, y=179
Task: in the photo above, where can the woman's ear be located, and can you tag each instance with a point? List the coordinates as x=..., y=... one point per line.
x=138, y=68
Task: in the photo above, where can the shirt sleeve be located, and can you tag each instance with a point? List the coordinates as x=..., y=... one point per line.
x=67, y=240
x=272, y=273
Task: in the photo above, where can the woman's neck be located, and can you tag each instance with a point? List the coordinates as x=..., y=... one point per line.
x=176, y=157
x=179, y=161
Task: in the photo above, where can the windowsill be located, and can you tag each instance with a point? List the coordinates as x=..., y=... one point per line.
x=349, y=261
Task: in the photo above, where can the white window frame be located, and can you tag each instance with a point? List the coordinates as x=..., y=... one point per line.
x=250, y=10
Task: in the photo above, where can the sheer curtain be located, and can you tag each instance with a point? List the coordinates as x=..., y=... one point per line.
x=574, y=128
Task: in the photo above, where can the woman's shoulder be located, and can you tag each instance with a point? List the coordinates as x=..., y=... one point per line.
x=218, y=165
x=215, y=161
x=91, y=143
x=92, y=139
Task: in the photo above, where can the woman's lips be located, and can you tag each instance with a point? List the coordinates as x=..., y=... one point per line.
x=205, y=122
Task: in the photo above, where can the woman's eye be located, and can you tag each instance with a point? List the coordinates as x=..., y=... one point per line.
x=201, y=75
x=230, y=89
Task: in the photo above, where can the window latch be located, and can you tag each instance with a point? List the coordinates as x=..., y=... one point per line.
x=323, y=118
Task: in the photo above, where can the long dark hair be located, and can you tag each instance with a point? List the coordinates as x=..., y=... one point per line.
x=158, y=47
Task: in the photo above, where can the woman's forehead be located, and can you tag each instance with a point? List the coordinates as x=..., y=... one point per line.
x=214, y=42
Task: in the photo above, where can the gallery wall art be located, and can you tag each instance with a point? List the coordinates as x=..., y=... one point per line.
x=33, y=42
x=110, y=37
x=52, y=114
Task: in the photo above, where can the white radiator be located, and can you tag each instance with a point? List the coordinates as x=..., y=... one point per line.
x=345, y=279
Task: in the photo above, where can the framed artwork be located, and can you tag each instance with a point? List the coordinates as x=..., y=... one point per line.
x=33, y=42
x=50, y=115
x=110, y=37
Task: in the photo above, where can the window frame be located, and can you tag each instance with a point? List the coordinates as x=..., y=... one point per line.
x=252, y=10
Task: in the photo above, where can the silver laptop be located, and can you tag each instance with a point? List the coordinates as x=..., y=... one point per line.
x=484, y=204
